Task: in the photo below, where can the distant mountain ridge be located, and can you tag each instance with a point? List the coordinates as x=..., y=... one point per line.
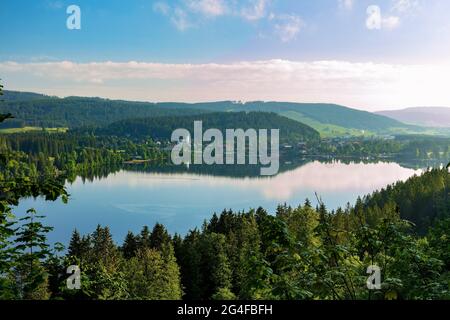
x=328, y=119
x=321, y=116
x=423, y=116
x=22, y=96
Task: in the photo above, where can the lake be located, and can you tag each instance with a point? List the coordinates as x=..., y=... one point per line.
x=128, y=200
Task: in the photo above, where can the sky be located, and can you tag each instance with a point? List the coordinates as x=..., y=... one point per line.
x=365, y=54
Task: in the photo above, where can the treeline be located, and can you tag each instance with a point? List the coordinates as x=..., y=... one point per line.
x=421, y=146
x=408, y=147
x=162, y=128
x=71, y=112
x=34, y=154
x=420, y=199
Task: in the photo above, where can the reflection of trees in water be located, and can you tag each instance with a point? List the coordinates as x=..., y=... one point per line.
x=93, y=173
x=244, y=171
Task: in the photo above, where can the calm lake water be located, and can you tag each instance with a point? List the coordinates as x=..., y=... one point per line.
x=128, y=200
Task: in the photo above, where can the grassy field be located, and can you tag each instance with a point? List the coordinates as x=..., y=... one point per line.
x=325, y=130
x=330, y=130
x=30, y=129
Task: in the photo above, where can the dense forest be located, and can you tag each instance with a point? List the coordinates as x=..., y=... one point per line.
x=162, y=128
x=71, y=112
x=402, y=146
x=321, y=112
x=73, y=153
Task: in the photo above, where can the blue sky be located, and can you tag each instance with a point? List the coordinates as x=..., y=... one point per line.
x=174, y=50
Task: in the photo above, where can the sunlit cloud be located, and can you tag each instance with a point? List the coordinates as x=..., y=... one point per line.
x=180, y=19
x=255, y=10
x=177, y=15
x=360, y=85
x=287, y=27
x=210, y=8
x=188, y=13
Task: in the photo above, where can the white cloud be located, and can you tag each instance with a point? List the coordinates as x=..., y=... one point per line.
x=376, y=21
x=255, y=10
x=360, y=85
x=180, y=19
x=403, y=6
x=184, y=12
x=346, y=4
x=209, y=8
x=287, y=27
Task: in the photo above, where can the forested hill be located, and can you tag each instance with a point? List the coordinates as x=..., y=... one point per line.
x=323, y=113
x=23, y=96
x=328, y=119
x=75, y=112
x=43, y=111
x=162, y=128
x=421, y=199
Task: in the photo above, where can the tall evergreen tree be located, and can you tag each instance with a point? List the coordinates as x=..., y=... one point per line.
x=31, y=242
x=130, y=245
x=159, y=237
x=144, y=238
x=75, y=244
x=150, y=276
x=103, y=248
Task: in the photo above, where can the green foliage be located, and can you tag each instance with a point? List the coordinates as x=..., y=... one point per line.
x=51, y=112
x=31, y=247
x=421, y=199
x=22, y=274
x=153, y=275
x=162, y=128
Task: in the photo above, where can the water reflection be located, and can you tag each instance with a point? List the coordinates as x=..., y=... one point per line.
x=318, y=176
x=181, y=200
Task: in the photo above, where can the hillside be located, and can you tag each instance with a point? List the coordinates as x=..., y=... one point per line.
x=422, y=116
x=328, y=119
x=34, y=110
x=75, y=112
x=421, y=199
x=162, y=128
x=22, y=96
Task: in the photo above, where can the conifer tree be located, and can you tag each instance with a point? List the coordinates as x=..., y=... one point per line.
x=159, y=237
x=144, y=238
x=150, y=276
x=31, y=242
x=130, y=246
x=75, y=244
